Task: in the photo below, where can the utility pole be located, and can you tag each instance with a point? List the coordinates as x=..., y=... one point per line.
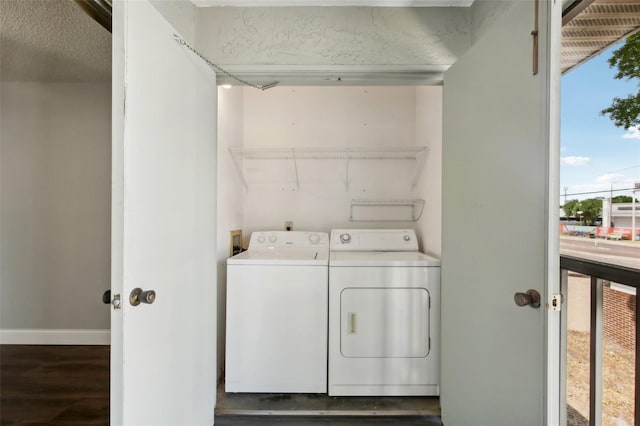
x=633, y=211
x=611, y=193
x=565, y=194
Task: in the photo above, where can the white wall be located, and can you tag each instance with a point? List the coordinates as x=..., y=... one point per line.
x=429, y=132
x=180, y=14
x=345, y=117
x=230, y=194
x=55, y=211
x=484, y=13
x=625, y=222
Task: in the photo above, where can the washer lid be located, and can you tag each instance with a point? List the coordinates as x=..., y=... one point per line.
x=281, y=256
x=382, y=259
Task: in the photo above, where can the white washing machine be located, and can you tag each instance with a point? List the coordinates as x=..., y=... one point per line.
x=276, y=337
x=384, y=314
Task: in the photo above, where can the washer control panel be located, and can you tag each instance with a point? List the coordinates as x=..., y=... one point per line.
x=293, y=239
x=374, y=240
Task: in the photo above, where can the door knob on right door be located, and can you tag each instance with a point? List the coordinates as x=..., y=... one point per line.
x=138, y=296
x=531, y=298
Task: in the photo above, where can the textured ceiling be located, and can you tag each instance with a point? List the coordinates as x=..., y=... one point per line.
x=51, y=40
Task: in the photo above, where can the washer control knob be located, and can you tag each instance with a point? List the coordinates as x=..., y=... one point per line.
x=406, y=238
x=261, y=239
x=314, y=238
x=272, y=238
x=345, y=238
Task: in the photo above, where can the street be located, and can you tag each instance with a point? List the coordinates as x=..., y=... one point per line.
x=625, y=253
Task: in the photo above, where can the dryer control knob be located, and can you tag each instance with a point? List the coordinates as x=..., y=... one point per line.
x=272, y=239
x=261, y=239
x=345, y=238
x=314, y=238
x=407, y=238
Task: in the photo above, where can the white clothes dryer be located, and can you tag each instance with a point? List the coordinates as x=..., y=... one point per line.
x=276, y=335
x=384, y=314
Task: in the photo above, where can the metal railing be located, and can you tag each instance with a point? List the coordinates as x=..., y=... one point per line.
x=600, y=272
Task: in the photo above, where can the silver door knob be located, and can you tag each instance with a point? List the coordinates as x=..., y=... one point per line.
x=138, y=296
x=531, y=298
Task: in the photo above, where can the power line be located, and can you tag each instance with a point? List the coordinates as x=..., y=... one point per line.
x=598, y=192
x=635, y=166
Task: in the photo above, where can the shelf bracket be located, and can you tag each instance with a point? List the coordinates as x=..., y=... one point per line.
x=236, y=161
x=346, y=179
x=421, y=159
x=295, y=168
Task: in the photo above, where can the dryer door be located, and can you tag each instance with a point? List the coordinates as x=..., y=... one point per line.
x=384, y=322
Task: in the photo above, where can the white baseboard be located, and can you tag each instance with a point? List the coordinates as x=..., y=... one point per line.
x=54, y=337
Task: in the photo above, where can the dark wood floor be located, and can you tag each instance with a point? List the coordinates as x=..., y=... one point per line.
x=54, y=385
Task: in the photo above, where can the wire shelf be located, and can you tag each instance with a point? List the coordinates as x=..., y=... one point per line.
x=324, y=153
x=414, y=153
x=378, y=210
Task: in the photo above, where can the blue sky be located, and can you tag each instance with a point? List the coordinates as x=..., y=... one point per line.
x=594, y=153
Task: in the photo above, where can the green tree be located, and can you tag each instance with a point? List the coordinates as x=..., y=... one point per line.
x=622, y=199
x=591, y=210
x=571, y=208
x=625, y=112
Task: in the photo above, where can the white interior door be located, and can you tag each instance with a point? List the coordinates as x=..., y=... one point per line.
x=163, y=225
x=499, y=172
